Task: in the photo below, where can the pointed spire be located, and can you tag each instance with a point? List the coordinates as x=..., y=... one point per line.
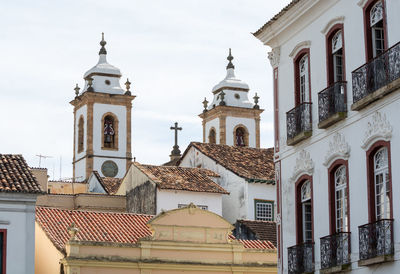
x=230, y=58
x=102, y=44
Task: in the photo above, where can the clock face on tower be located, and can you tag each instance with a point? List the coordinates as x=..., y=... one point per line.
x=109, y=169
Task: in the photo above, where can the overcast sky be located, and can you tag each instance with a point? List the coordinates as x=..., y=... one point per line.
x=173, y=52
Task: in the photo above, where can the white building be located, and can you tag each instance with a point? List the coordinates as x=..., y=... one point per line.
x=247, y=173
x=152, y=189
x=336, y=68
x=18, y=192
x=102, y=122
x=231, y=119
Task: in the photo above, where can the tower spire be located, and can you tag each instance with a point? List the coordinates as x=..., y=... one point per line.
x=102, y=44
x=230, y=58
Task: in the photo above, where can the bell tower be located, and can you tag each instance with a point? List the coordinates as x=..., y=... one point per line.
x=102, y=122
x=231, y=119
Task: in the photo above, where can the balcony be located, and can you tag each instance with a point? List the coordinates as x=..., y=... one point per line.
x=298, y=123
x=301, y=258
x=376, y=242
x=332, y=104
x=335, y=253
x=376, y=78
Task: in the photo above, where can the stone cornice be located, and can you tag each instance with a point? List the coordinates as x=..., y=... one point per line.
x=102, y=98
x=231, y=111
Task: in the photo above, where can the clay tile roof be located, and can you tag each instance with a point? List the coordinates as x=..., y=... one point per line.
x=264, y=230
x=110, y=185
x=256, y=244
x=182, y=178
x=253, y=164
x=93, y=226
x=277, y=16
x=16, y=176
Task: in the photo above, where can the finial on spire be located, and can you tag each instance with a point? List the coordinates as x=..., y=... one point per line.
x=230, y=58
x=205, y=104
x=90, y=83
x=102, y=44
x=222, y=102
x=77, y=88
x=128, y=86
x=256, y=97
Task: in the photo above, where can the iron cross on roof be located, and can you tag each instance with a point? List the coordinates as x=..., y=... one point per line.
x=176, y=150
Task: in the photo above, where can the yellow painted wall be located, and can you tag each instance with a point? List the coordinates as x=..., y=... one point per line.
x=66, y=187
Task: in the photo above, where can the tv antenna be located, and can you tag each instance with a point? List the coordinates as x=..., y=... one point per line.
x=42, y=156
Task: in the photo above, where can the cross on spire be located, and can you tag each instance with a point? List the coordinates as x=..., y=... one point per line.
x=230, y=58
x=176, y=151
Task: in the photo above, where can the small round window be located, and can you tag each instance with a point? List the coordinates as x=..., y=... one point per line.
x=107, y=82
x=237, y=96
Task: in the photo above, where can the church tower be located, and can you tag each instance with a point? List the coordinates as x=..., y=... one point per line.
x=231, y=118
x=102, y=122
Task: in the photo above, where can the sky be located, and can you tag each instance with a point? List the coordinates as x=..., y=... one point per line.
x=173, y=53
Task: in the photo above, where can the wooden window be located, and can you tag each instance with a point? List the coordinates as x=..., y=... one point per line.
x=3, y=250
x=379, y=181
x=341, y=213
x=335, y=55
x=80, y=134
x=304, y=210
x=212, y=136
x=375, y=28
x=263, y=210
x=302, y=77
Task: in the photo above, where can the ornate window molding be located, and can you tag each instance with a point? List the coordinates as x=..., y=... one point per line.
x=362, y=3
x=274, y=56
x=338, y=149
x=300, y=46
x=378, y=129
x=304, y=165
x=331, y=23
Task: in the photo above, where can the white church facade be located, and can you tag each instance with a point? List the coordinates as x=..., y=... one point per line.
x=336, y=69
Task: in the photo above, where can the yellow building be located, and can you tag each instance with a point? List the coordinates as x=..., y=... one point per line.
x=188, y=240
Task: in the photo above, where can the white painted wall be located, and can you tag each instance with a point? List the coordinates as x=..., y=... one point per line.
x=354, y=127
x=169, y=199
x=213, y=124
x=18, y=217
x=80, y=170
x=94, y=185
x=259, y=191
x=121, y=163
x=232, y=122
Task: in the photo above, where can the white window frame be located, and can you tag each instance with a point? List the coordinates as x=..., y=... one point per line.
x=304, y=91
x=381, y=184
x=337, y=55
x=341, y=212
x=376, y=17
x=306, y=211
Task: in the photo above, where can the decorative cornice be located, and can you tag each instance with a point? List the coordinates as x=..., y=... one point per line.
x=338, y=149
x=378, y=129
x=300, y=46
x=331, y=23
x=362, y=3
x=274, y=56
x=304, y=165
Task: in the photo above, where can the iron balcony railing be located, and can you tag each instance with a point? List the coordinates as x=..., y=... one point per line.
x=335, y=250
x=377, y=73
x=298, y=120
x=376, y=239
x=301, y=258
x=332, y=100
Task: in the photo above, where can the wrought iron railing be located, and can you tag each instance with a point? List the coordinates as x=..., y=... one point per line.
x=298, y=120
x=376, y=239
x=377, y=73
x=301, y=258
x=335, y=250
x=332, y=100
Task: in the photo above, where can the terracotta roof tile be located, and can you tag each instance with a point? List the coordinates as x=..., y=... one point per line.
x=264, y=230
x=93, y=226
x=104, y=227
x=110, y=185
x=182, y=178
x=254, y=164
x=277, y=16
x=16, y=175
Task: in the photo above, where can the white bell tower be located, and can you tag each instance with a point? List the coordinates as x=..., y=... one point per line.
x=102, y=122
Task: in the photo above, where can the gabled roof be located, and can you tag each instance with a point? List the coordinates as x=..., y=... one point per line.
x=93, y=225
x=109, y=184
x=276, y=17
x=263, y=230
x=182, y=178
x=104, y=227
x=253, y=164
x=16, y=176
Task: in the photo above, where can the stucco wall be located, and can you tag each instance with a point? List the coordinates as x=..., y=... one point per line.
x=46, y=262
x=260, y=191
x=213, y=124
x=232, y=122
x=18, y=218
x=142, y=199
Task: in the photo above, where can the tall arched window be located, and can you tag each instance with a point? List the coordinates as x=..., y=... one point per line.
x=212, y=136
x=335, y=57
x=382, y=184
x=304, y=85
x=374, y=20
x=306, y=211
x=109, y=132
x=80, y=134
x=240, y=137
x=341, y=212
